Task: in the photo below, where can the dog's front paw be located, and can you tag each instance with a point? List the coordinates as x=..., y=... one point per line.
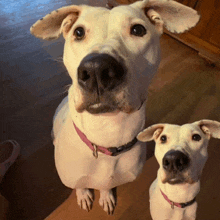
x=107, y=201
x=84, y=199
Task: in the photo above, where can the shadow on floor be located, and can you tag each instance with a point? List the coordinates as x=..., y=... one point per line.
x=34, y=181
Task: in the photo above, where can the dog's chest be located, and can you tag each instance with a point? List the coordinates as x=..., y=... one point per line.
x=162, y=210
x=77, y=167
x=75, y=163
x=104, y=173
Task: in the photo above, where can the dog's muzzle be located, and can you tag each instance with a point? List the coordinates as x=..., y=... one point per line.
x=175, y=164
x=100, y=73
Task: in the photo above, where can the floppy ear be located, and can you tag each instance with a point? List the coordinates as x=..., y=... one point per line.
x=174, y=16
x=210, y=127
x=59, y=21
x=151, y=133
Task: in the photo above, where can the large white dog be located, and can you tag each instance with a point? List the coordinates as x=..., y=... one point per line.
x=181, y=152
x=111, y=56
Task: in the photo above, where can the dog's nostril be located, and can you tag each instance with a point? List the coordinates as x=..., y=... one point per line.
x=106, y=77
x=166, y=163
x=182, y=163
x=84, y=75
x=111, y=74
x=105, y=74
x=179, y=162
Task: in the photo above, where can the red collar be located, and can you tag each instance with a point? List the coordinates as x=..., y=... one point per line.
x=179, y=205
x=111, y=151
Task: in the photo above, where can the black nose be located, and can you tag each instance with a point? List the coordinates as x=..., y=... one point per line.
x=100, y=73
x=175, y=160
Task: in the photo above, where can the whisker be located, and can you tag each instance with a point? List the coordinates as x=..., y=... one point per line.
x=58, y=59
x=66, y=89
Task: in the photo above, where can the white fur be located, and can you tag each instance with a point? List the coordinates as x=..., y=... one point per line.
x=107, y=31
x=179, y=138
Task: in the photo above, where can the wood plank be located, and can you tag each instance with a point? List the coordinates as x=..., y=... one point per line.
x=204, y=48
x=3, y=207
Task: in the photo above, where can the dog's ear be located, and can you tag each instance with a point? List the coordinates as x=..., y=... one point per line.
x=174, y=16
x=210, y=127
x=151, y=133
x=59, y=21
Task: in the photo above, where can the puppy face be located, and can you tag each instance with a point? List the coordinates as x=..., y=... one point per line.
x=181, y=151
x=188, y=140
x=127, y=37
x=111, y=55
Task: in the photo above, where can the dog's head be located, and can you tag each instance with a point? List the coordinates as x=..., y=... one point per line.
x=181, y=151
x=111, y=55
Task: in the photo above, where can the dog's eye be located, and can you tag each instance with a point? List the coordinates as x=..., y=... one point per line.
x=196, y=137
x=79, y=33
x=163, y=139
x=138, y=30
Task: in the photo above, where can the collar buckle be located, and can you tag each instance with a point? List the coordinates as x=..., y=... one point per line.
x=172, y=205
x=95, y=151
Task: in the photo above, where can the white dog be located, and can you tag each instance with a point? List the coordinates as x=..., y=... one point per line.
x=181, y=152
x=111, y=56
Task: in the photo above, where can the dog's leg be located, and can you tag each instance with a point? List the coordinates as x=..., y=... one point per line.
x=84, y=198
x=107, y=201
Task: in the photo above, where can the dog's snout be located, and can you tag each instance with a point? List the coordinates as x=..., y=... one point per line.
x=100, y=72
x=175, y=160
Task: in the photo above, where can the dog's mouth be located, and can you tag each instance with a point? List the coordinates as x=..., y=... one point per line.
x=176, y=178
x=98, y=108
x=101, y=108
x=95, y=106
x=172, y=178
x=107, y=104
x=175, y=181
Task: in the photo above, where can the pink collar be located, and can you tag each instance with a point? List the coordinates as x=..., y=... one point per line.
x=179, y=205
x=111, y=151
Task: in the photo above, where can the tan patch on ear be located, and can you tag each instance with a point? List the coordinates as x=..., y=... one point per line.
x=209, y=127
x=67, y=24
x=50, y=26
x=150, y=133
x=177, y=18
x=157, y=133
x=156, y=19
x=206, y=131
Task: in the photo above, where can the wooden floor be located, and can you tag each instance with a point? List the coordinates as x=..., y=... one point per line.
x=34, y=80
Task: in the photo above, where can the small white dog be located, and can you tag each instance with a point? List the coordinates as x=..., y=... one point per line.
x=181, y=152
x=111, y=56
